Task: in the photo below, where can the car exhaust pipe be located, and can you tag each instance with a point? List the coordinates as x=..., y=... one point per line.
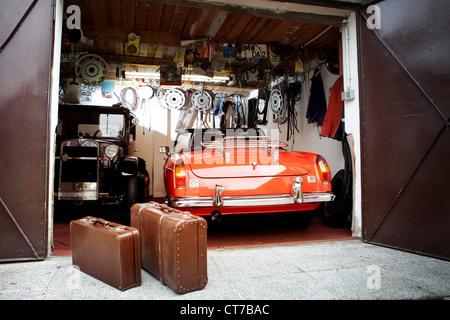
x=216, y=216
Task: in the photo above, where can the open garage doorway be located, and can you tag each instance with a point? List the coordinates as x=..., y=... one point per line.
x=105, y=28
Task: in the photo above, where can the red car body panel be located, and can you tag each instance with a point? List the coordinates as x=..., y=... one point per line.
x=249, y=176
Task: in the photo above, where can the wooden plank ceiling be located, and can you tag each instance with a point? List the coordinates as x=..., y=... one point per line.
x=161, y=26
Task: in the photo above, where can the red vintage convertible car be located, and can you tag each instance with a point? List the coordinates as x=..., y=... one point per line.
x=234, y=171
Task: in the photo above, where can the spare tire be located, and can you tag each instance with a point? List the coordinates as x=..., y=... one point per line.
x=338, y=213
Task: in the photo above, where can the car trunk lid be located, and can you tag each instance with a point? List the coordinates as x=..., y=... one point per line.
x=247, y=162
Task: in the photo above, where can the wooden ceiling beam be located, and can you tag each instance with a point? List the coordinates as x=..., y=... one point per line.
x=271, y=9
x=134, y=60
x=120, y=35
x=343, y=4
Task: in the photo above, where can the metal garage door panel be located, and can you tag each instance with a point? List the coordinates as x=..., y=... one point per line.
x=403, y=129
x=416, y=31
x=25, y=81
x=398, y=127
x=8, y=22
x=422, y=225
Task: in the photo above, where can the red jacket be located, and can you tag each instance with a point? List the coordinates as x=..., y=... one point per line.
x=333, y=116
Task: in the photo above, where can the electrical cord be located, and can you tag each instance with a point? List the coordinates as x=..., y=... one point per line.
x=129, y=103
x=293, y=96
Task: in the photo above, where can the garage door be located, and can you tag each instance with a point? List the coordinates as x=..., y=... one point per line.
x=25, y=60
x=405, y=82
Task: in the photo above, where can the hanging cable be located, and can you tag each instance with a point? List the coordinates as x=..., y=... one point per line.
x=126, y=101
x=293, y=91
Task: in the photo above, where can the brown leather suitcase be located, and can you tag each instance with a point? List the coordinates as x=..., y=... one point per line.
x=107, y=251
x=173, y=245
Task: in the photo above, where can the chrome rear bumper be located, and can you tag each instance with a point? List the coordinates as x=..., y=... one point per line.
x=240, y=201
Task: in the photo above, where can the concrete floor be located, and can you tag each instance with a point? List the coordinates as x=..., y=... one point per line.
x=239, y=232
x=343, y=270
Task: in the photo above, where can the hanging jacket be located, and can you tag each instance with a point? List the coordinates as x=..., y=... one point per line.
x=332, y=124
x=223, y=118
x=317, y=105
x=218, y=112
x=239, y=117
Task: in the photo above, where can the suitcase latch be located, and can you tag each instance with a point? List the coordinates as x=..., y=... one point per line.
x=118, y=228
x=87, y=220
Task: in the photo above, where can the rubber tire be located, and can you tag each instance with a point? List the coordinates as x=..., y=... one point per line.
x=130, y=199
x=337, y=213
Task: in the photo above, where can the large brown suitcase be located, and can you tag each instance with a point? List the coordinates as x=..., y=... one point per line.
x=173, y=245
x=107, y=251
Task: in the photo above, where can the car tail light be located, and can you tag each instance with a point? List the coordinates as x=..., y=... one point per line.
x=323, y=169
x=180, y=175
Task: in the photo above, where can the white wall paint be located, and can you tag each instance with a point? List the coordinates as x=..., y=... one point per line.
x=308, y=138
x=53, y=115
x=352, y=117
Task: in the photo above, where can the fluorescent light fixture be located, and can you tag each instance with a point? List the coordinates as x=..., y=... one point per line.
x=199, y=78
x=188, y=77
x=188, y=42
x=151, y=75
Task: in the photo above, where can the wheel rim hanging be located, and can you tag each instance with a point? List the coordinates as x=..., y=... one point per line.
x=276, y=101
x=277, y=105
x=91, y=69
x=171, y=98
x=201, y=100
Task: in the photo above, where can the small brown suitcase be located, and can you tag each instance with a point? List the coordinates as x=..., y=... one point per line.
x=107, y=251
x=173, y=245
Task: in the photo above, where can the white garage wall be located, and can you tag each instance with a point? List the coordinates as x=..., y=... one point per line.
x=308, y=138
x=352, y=117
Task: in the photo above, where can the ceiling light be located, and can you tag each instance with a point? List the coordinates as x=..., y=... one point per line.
x=188, y=77
x=200, y=78
x=151, y=75
x=188, y=42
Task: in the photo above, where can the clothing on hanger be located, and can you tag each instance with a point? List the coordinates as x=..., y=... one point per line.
x=317, y=105
x=332, y=124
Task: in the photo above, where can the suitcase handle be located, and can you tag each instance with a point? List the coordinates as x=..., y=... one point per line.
x=162, y=207
x=168, y=209
x=103, y=222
